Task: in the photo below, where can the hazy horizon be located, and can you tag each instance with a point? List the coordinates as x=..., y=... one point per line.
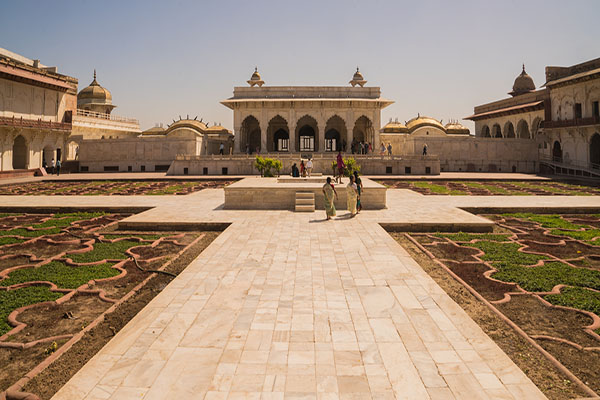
x=162, y=60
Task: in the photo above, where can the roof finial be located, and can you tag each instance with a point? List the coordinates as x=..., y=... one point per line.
x=255, y=69
x=523, y=67
x=356, y=68
x=94, y=73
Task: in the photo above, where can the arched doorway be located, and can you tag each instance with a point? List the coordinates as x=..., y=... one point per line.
x=332, y=140
x=509, y=130
x=523, y=130
x=47, y=156
x=496, y=132
x=363, y=131
x=556, y=151
x=335, y=134
x=281, y=140
x=535, y=127
x=485, y=131
x=277, y=134
x=19, y=153
x=595, y=151
x=306, y=132
x=250, y=135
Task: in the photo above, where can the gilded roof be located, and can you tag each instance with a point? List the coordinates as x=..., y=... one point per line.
x=394, y=127
x=423, y=121
x=456, y=128
x=96, y=93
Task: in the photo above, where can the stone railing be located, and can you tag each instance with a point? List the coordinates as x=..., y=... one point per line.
x=571, y=122
x=313, y=156
x=93, y=114
x=35, y=123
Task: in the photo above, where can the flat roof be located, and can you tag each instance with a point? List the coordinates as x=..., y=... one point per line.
x=520, y=107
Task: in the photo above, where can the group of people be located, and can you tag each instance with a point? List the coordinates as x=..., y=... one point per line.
x=367, y=148
x=54, y=167
x=304, y=170
x=354, y=189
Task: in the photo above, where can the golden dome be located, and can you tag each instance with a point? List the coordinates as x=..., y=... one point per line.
x=523, y=84
x=255, y=79
x=96, y=93
x=456, y=128
x=358, y=79
x=420, y=121
x=394, y=127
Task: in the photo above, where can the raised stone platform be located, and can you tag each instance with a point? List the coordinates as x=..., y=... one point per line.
x=255, y=193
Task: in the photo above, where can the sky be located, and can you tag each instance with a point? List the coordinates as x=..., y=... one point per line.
x=165, y=59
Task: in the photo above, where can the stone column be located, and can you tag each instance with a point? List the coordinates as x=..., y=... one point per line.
x=292, y=129
x=264, y=123
x=376, y=127
x=321, y=130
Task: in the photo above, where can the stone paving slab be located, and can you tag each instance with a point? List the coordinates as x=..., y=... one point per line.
x=286, y=305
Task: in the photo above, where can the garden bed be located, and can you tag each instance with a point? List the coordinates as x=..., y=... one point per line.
x=542, y=272
x=494, y=188
x=69, y=283
x=111, y=188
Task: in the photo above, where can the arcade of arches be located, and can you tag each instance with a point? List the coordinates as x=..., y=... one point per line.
x=305, y=135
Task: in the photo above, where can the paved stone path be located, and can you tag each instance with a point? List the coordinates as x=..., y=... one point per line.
x=286, y=305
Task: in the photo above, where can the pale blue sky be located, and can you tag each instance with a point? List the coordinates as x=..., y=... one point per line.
x=165, y=59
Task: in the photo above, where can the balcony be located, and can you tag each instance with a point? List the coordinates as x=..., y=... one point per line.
x=567, y=123
x=35, y=124
x=92, y=114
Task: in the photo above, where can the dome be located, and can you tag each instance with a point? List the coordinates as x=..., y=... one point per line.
x=358, y=79
x=394, y=127
x=95, y=98
x=523, y=84
x=424, y=121
x=96, y=92
x=456, y=128
x=255, y=79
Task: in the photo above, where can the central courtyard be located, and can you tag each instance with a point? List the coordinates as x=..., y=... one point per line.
x=288, y=305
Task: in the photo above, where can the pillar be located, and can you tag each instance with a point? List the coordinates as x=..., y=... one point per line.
x=292, y=129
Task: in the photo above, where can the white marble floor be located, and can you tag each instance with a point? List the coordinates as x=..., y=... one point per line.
x=284, y=305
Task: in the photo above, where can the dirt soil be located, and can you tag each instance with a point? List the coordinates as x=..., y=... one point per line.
x=58, y=373
x=543, y=373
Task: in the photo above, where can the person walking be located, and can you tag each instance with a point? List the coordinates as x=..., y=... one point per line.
x=302, y=169
x=309, y=167
x=340, y=167
x=389, y=148
x=359, y=189
x=221, y=148
x=53, y=165
x=382, y=149
x=351, y=196
x=425, y=149
x=58, y=165
x=330, y=195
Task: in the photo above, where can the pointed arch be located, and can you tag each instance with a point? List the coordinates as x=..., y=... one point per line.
x=363, y=130
x=336, y=134
x=278, y=134
x=535, y=126
x=595, y=150
x=250, y=134
x=307, y=134
x=485, y=131
x=523, y=130
x=496, y=131
x=20, y=159
x=509, y=130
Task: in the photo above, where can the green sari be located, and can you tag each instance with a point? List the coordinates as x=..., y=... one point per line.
x=329, y=197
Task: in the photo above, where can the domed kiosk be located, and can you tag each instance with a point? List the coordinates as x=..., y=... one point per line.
x=523, y=84
x=95, y=98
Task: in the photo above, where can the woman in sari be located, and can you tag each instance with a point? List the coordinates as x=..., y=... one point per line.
x=330, y=195
x=351, y=196
x=359, y=187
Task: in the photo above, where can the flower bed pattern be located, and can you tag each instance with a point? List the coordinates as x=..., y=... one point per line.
x=492, y=188
x=60, y=272
x=110, y=188
x=542, y=272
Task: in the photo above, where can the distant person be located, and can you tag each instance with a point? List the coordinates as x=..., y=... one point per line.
x=382, y=149
x=302, y=169
x=45, y=166
x=344, y=145
x=340, y=167
x=247, y=148
x=359, y=189
x=58, y=165
x=369, y=148
x=295, y=172
x=351, y=196
x=425, y=149
x=389, y=148
x=77, y=153
x=221, y=148
x=309, y=167
x=53, y=165
x=329, y=195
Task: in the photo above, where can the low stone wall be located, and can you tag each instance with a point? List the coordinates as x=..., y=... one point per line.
x=244, y=164
x=267, y=194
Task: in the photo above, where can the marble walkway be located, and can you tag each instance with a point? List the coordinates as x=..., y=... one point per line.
x=285, y=305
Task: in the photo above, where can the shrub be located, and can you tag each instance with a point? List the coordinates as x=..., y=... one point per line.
x=264, y=166
x=350, y=164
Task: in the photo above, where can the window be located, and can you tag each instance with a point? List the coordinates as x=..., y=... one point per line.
x=330, y=144
x=595, y=109
x=577, y=110
x=307, y=143
x=282, y=144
